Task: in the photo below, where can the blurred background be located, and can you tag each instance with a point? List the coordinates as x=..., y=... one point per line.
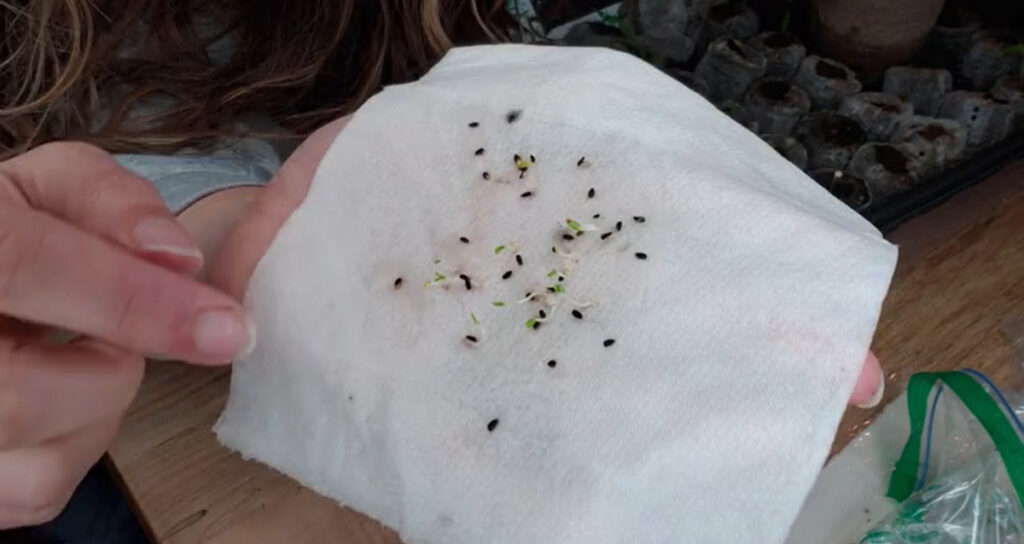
x=891, y=106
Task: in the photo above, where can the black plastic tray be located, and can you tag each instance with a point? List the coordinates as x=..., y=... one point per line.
x=937, y=190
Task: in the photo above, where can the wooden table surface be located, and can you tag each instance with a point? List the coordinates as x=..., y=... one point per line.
x=961, y=274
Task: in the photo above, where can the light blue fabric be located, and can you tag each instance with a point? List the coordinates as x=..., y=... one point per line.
x=186, y=177
x=183, y=179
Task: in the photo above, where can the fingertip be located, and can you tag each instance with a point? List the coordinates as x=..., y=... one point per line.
x=222, y=335
x=870, y=387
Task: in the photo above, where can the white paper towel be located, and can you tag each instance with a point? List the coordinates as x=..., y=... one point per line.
x=737, y=340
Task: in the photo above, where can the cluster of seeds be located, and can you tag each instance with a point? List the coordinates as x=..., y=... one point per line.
x=552, y=296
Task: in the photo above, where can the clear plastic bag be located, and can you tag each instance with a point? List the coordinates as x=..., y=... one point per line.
x=970, y=506
x=961, y=476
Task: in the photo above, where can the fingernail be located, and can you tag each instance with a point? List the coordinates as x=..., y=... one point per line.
x=250, y=331
x=163, y=235
x=224, y=334
x=876, y=398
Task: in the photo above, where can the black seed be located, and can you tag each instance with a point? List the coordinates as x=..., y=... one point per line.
x=463, y=239
x=516, y=158
x=580, y=233
x=552, y=363
x=466, y=280
x=513, y=115
x=543, y=314
x=398, y=283
x=639, y=218
x=554, y=249
x=641, y=255
x=479, y=152
x=474, y=124
x=519, y=260
x=471, y=338
x=606, y=235
x=533, y=159
x=493, y=424
x=608, y=343
x=580, y=162
x=597, y=216
x=591, y=193
x=527, y=194
x=577, y=314
x=522, y=172
x=568, y=237
x=486, y=175
x=561, y=279
x=528, y=294
x=506, y=275
x=618, y=226
x=536, y=325
x=551, y=289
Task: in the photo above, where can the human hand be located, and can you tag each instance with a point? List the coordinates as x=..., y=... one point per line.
x=251, y=237
x=87, y=247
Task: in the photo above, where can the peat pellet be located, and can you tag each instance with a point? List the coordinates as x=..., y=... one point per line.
x=826, y=81
x=878, y=113
x=987, y=120
x=830, y=138
x=934, y=143
x=952, y=35
x=885, y=168
x=990, y=56
x=782, y=51
x=730, y=19
x=776, y=105
x=729, y=67
x=923, y=88
x=1010, y=89
x=666, y=29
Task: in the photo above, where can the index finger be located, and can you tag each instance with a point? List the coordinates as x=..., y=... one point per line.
x=55, y=274
x=85, y=186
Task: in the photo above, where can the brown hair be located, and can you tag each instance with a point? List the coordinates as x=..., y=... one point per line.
x=78, y=69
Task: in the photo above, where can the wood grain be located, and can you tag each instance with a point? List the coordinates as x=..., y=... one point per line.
x=944, y=311
x=189, y=489
x=961, y=275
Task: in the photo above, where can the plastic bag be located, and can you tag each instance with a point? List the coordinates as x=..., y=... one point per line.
x=971, y=506
x=961, y=475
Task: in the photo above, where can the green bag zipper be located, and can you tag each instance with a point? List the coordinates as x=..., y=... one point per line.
x=981, y=405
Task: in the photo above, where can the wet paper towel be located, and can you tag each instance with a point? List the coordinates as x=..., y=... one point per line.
x=549, y=295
